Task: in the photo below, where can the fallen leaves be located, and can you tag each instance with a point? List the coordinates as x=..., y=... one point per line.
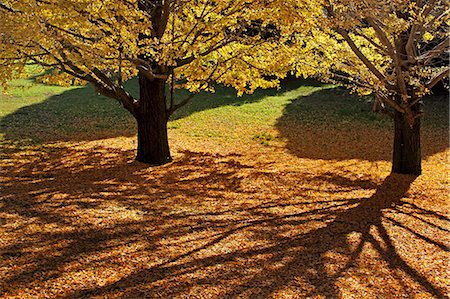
x=212, y=225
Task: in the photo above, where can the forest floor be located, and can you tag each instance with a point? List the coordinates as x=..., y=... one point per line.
x=282, y=194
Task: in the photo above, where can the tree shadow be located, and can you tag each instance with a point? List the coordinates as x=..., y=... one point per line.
x=81, y=115
x=312, y=261
x=226, y=96
x=346, y=129
x=201, y=226
x=74, y=115
x=306, y=253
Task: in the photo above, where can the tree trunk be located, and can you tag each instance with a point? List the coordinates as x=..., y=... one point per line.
x=151, y=117
x=407, y=157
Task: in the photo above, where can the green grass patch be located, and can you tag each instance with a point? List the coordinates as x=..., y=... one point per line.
x=36, y=113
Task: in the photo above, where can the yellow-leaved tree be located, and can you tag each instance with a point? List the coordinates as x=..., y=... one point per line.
x=105, y=42
x=397, y=50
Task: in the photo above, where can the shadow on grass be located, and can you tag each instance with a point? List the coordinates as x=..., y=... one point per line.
x=162, y=233
x=331, y=124
x=225, y=96
x=80, y=114
x=74, y=115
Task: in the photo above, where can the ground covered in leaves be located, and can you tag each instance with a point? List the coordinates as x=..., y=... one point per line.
x=282, y=207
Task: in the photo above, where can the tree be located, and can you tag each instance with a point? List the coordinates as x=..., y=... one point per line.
x=397, y=50
x=186, y=43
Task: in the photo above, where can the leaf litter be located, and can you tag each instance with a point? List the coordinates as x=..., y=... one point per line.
x=234, y=219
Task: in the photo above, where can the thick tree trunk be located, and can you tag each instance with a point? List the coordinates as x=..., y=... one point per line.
x=151, y=117
x=407, y=157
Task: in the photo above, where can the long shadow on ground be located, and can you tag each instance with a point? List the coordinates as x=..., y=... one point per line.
x=81, y=115
x=288, y=240
x=332, y=124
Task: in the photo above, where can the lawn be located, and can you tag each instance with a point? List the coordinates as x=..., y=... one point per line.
x=282, y=194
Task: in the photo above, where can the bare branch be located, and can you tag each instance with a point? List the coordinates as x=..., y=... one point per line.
x=371, y=41
x=378, y=106
x=145, y=68
x=412, y=39
x=429, y=7
x=75, y=34
x=179, y=105
x=441, y=75
x=435, y=52
x=25, y=56
x=119, y=92
x=173, y=107
x=393, y=53
x=164, y=18
x=343, y=79
x=101, y=82
x=391, y=102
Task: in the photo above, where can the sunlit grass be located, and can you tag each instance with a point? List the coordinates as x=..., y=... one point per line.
x=25, y=92
x=41, y=113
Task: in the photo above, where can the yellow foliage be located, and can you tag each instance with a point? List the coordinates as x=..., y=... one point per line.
x=199, y=40
x=386, y=47
x=395, y=49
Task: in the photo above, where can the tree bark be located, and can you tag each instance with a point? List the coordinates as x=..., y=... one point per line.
x=407, y=155
x=151, y=118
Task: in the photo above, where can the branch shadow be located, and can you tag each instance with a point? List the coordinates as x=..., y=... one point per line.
x=306, y=253
x=366, y=219
x=190, y=213
x=346, y=119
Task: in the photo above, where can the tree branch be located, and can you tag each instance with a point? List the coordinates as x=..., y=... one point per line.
x=391, y=102
x=395, y=55
x=71, y=33
x=410, y=50
x=441, y=75
x=371, y=41
x=179, y=105
x=164, y=18
x=435, y=52
x=187, y=60
x=145, y=68
x=173, y=107
x=120, y=93
x=378, y=106
x=372, y=68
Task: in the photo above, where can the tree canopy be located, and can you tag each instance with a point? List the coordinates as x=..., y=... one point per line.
x=390, y=48
x=108, y=42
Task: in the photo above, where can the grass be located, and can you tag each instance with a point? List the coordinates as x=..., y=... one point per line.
x=41, y=113
x=281, y=194
x=26, y=92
